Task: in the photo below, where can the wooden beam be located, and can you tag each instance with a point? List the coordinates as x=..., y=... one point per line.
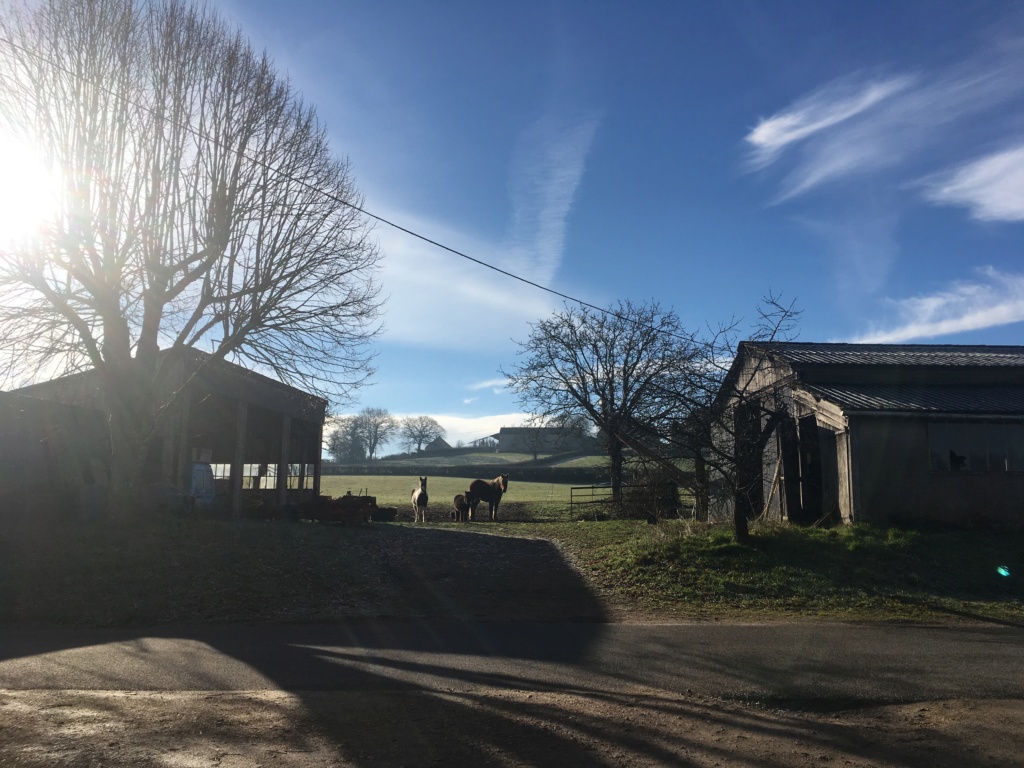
x=283, y=460
x=237, y=462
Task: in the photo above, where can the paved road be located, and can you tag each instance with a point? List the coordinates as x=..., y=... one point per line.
x=809, y=663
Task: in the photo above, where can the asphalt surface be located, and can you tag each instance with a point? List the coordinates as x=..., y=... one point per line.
x=811, y=664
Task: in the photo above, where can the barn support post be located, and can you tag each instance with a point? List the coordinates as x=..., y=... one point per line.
x=283, y=460
x=789, y=452
x=303, y=462
x=318, y=459
x=177, y=457
x=237, y=461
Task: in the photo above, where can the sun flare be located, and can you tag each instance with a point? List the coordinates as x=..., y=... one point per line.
x=29, y=191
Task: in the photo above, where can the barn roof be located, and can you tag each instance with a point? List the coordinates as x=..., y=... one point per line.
x=906, y=378
x=209, y=373
x=974, y=400
x=932, y=355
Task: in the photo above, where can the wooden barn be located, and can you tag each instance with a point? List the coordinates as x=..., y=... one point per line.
x=48, y=451
x=263, y=438
x=879, y=433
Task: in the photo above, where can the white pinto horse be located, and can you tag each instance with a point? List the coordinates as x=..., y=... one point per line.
x=419, y=502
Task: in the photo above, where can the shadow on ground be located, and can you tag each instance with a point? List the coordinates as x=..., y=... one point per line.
x=458, y=670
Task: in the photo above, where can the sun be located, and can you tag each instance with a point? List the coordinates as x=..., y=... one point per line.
x=29, y=191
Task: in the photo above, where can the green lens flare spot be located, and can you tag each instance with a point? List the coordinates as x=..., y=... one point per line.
x=1002, y=570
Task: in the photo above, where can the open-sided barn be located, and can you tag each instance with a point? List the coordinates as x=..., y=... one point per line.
x=880, y=433
x=263, y=438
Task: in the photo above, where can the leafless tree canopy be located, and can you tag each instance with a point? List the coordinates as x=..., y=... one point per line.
x=649, y=385
x=202, y=205
x=346, y=442
x=622, y=369
x=357, y=438
x=418, y=431
x=377, y=426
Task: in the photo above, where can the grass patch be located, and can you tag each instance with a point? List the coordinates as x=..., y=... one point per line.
x=853, y=572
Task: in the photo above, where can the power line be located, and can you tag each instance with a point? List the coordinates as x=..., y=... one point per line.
x=330, y=195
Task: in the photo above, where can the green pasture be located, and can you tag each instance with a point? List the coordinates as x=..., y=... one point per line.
x=458, y=459
x=498, y=460
x=396, y=491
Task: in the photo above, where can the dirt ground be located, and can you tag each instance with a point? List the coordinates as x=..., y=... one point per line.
x=490, y=727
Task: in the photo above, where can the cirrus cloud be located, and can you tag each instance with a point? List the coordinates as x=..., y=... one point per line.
x=995, y=298
x=991, y=187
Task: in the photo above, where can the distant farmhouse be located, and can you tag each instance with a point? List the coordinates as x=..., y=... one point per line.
x=542, y=440
x=262, y=437
x=881, y=433
x=437, y=444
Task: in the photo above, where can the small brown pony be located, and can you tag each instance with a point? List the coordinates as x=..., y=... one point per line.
x=489, y=491
x=461, y=506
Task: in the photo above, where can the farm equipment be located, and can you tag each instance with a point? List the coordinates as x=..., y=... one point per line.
x=347, y=510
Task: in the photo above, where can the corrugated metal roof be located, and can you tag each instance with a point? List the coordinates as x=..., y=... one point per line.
x=990, y=400
x=896, y=354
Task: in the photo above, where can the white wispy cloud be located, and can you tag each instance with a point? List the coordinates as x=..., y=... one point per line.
x=865, y=123
x=995, y=298
x=863, y=241
x=991, y=187
x=545, y=174
x=439, y=300
x=492, y=384
x=814, y=113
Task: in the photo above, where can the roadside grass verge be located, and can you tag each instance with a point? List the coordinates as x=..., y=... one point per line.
x=160, y=570
x=855, y=572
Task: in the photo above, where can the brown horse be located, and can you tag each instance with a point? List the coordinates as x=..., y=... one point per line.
x=461, y=506
x=489, y=491
x=419, y=502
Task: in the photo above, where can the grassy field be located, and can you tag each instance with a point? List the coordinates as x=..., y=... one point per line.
x=549, y=499
x=497, y=459
x=459, y=459
x=165, y=570
x=524, y=502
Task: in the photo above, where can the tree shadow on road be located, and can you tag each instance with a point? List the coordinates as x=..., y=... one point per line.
x=451, y=686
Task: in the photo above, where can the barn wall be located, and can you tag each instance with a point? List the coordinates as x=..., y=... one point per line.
x=48, y=451
x=896, y=484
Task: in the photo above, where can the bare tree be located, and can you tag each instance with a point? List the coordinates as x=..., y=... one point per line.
x=202, y=207
x=377, y=426
x=418, y=431
x=730, y=419
x=723, y=420
x=620, y=368
x=346, y=442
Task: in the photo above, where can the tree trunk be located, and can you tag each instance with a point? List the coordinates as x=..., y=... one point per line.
x=701, y=488
x=615, y=455
x=130, y=406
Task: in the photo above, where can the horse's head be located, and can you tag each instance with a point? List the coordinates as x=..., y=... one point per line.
x=503, y=483
x=423, y=483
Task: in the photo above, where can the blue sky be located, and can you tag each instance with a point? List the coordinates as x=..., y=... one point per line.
x=865, y=160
